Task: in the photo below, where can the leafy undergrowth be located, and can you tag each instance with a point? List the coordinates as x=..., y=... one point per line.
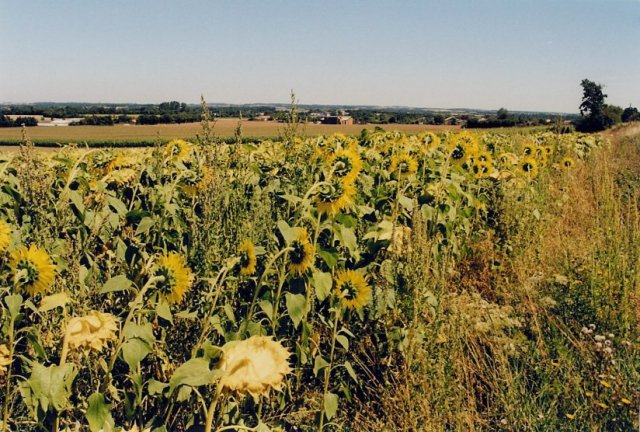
x=386, y=282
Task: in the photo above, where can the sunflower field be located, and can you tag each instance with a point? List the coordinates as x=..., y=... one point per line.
x=455, y=281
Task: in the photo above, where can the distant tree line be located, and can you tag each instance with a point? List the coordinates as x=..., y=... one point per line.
x=596, y=115
x=18, y=122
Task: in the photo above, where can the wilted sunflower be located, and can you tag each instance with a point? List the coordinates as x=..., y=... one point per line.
x=301, y=257
x=5, y=236
x=32, y=269
x=482, y=169
x=121, y=176
x=177, y=277
x=345, y=164
x=247, y=252
x=529, y=167
x=567, y=162
x=351, y=289
x=403, y=165
x=5, y=357
x=254, y=366
x=334, y=196
x=91, y=331
x=177, y=150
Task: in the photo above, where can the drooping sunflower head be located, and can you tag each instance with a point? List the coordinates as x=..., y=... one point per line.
x=334, y=196
x=33, y=270
x=567, y=162
x=91, y=331
x=403, y=165
x=177, y=277
x=351, y=289
x=345, y=164
x=177, y=150
x=121, y=176
x=5, y=236
x=528, y=166
x=254, y=366
x=481, y=169
x=247, y=252
x=301, y=257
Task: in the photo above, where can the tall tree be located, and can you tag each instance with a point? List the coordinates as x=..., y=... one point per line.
x=591, y=108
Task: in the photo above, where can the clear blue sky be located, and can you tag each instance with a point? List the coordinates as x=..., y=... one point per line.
x=518, y=54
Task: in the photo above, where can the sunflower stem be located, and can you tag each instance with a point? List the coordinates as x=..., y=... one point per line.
x=5, y=410
x=327, y=370
x=212, y=408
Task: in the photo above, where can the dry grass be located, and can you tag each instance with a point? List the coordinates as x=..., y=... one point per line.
x=223, y=127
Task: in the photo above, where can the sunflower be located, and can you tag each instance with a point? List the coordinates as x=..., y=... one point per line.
x=254, y=366
x=484, y=156
x=529, y=167
x=5, y=357
x=247, y=252
x=334, y=196
x=345, y=164
x=32, y=269
x=178, y=277
x=548, y=150
x=301, y=257
x=567, y=162
x=507, y=159
x=529, y=150
x=5, y=236
x=351, y=289
x=91, y=331
x=462, y=147
x=481, y=169
x=403, y=165
x=177, y=150
x=430, y=140
x=120, y=176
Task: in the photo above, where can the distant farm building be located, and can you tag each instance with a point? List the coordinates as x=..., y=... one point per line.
x=338, y=120
x=260, y=117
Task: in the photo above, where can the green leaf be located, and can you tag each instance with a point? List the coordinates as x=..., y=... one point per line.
x=287, y=232
x=349, y=240
x=318, y=364
x=156, y=387
x=329, y=255
x=330, y=405
x=406, y=202
x=323, y=282
x=344, y=341
x=53, y=301
x=98, y=412
x=352, y=373
x=117, y=205
x=164, y=311
x=296, y=305
x=13, y=304
x=134, y=350
x=141, y=331
x=145, y=225
x=194, y=373
x=118, y=283
x=48, y=387
x=267, y=307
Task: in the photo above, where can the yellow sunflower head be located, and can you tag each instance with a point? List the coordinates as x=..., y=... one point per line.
x=352, y=290
x=528, y=166
x=529, y=150
x=506, y=159
x=33, y=270
x=403, y=165
x=567, y=162
x=484, y=156
x=91, y=331
x=429, y=140
x=178, y=277
x=177, y=150
x=121, y=176
x=462, y=147
x=334, y=196
x=345, y=164
x=247, y=252
x=5, y=236
x=254, y=366
x=481, y=169
x=301, y=257
x=548, y=149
